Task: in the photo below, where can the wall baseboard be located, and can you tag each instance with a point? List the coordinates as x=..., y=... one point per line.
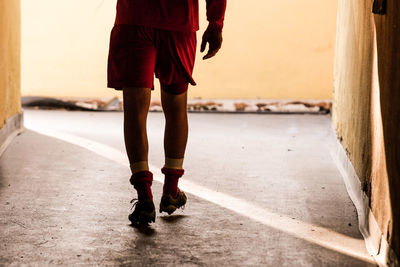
x=375, y=241
x=12, y=127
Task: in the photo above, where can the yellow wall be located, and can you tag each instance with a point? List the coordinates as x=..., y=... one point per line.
x=272, y=49
x=10, y=103
x=367, y=107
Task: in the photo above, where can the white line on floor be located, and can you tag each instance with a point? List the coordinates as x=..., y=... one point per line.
x=309, y=232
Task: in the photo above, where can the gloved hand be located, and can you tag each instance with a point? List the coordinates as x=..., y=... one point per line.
x=213, y=37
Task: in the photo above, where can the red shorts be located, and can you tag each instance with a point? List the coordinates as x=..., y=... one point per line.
x=137, y=52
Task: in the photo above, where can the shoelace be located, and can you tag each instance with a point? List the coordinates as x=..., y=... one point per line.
x=134, y=204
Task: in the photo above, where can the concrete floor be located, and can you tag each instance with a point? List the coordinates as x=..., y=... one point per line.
x=263, y=191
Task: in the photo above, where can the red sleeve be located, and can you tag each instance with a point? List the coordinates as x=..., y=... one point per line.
x=216, y=13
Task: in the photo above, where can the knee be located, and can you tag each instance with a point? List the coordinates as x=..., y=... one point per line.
x=174, y=106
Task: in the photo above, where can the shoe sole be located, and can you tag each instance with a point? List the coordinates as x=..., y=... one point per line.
x=167, y=206
x=168, y=209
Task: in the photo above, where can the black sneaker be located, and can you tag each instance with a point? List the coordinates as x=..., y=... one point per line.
x=144, y=212
x=169, y=203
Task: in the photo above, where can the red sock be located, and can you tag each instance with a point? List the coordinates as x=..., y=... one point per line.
x=171, y=181
x=142, y=181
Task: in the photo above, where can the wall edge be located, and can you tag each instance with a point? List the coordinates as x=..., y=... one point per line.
x=12, y=127
x=375, y=242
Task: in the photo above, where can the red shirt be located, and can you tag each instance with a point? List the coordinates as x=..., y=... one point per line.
x=174, y=15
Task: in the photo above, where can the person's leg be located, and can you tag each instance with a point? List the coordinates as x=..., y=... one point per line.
x=136, y=107
x=131, y=66
x=175, y=139
x=176, y=126
x=174, y=68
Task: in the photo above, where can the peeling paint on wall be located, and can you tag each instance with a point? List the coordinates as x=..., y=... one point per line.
x=366, y=110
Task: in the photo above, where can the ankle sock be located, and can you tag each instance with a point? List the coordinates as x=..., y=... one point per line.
x=139, y=166
x=171, y=180
x=142, y=182
x=171, y=163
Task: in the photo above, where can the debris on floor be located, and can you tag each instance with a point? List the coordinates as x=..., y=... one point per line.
x=113, y=104
x=194, y=105
x=260, y=106
x=204, y=106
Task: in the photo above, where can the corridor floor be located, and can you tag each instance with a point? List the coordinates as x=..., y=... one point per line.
x=262, y=191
